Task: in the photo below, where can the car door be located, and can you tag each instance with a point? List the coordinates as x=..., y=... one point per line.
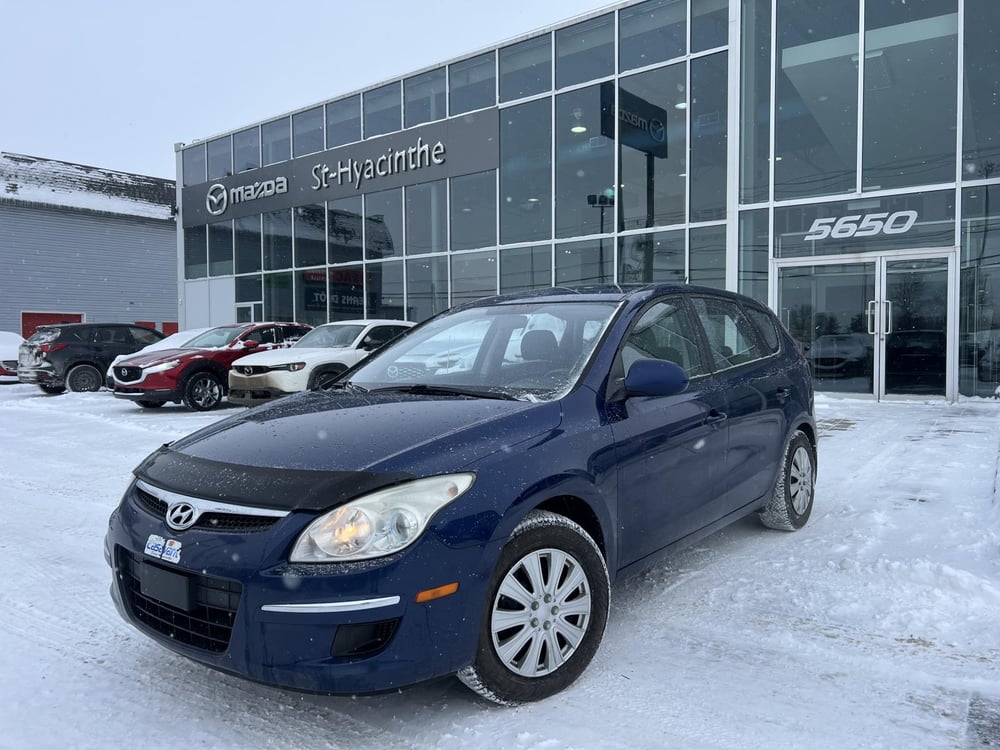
x=757, y=387
x=671, y=450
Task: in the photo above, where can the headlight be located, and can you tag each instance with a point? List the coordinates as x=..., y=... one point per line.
x=162, y=367
x=295, y=366
x=380, y=523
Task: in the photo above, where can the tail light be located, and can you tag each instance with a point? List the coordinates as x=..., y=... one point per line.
x=46, y=348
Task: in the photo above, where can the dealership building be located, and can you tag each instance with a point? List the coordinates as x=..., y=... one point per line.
x=832, y=158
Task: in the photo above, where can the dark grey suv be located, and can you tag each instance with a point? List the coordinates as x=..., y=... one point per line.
x=75, y=356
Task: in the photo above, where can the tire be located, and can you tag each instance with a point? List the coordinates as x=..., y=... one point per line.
x=529, y=650
x=203, y=391
x=150, y=404
x=321, y=380
x=792, y=501
x=84, y=379
x=52, y=390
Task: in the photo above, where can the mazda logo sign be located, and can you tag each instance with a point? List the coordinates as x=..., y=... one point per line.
x=181, y=516
x=217, y=199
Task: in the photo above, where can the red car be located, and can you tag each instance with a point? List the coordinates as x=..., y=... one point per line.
x=198, y=372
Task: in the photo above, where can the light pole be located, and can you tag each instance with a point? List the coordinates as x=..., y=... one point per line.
x=602, y=202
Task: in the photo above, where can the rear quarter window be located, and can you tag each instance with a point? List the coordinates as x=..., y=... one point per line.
x=764, y=323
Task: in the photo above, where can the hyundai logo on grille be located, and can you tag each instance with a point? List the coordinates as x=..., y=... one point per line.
x=181, y=516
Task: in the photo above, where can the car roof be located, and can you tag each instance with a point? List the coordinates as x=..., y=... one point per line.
x=367, y=322
x=600, y=293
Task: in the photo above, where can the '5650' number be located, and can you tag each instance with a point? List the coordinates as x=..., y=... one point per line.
x=857, y=225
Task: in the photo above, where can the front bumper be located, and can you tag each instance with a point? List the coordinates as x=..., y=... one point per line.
x=254, y=396
x=336, y=628
x=250, y=390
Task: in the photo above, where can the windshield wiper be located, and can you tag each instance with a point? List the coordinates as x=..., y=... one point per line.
x=345, y=385
x=441, y=390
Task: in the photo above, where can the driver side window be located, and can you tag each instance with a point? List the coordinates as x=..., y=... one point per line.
x=665, y=331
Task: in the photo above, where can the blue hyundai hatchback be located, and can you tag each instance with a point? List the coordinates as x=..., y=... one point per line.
x=461, y=501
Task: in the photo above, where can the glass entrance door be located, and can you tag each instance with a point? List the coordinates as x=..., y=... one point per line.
x=878, y=326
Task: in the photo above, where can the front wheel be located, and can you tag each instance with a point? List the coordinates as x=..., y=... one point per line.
x=84, y=379
x=203, y=391
x=323, y=379
x=791, y=503
x=546, y=610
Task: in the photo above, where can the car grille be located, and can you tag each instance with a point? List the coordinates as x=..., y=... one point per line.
x=227, y=522
x=209, y=624
x=252, y=369
x=127, y=374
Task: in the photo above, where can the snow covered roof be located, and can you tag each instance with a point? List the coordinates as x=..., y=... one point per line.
x=37, y=181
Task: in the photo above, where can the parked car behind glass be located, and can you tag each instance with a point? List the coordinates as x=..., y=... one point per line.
x=437, y=518
x=317, y=359
x=197, y=373
x=75, y=356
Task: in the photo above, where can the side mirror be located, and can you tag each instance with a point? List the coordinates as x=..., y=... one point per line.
x=251, y=344
x=655, y=377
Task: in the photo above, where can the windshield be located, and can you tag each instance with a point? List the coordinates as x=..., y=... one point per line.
x=214, y=338
x=329, y=336
x=534, y=351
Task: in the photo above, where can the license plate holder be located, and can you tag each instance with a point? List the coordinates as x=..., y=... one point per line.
x=173, y=589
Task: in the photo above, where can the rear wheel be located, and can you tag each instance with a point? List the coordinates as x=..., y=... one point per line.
x=545, y=614
x=791, y=504
x=52, y=390
x=150, y=404
x=203, y=391
x=84, y=379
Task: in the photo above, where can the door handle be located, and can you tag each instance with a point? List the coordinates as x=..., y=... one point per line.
x=870, y=313
x=782, y=394
x=715, y=417
x=888, y=316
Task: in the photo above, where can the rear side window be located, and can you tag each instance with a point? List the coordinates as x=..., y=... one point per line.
x=665, y=331
x=731, y=337
x=765, y=326
x=144, y=336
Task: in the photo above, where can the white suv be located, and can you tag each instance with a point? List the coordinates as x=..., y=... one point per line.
x=316, y=359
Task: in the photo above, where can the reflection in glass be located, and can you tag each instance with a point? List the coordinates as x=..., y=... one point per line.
x=309, y=241
x=279, y=303
x=585, y=51
x=385, y=290
x=753, y=254
x=474, y=211
x=979, y=300
x=383, y=110
x=426, y=287
x=816, y=98
x=525, y=268
x=196, y=252
x=307, y=131
x=427, y=218
x=915, y=350
x=220, y=157
x=424, y=97
x=709, y=24
x=911, y=69
x=277, y=238
x=586, y=262
x=248, y=245
x=652, y=126
x=347, y=292
x=310, y=297
x=526, y=68
x=472, y=84
x=473, y=275
x=220, y=248
x=981, y=105
x=707, y=266
x=343, y=121
x=276, y=141
x=344, y=231
x=193, y=162
x=526, y=172
x=655, y=256
x=755, y=103
x=709, y=122
x=584, y=162
x=651, y=32
x=384, y=224
x=246, y=149
x=249, y=288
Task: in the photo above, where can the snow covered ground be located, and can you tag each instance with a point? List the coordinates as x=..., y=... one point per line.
x=876, y=626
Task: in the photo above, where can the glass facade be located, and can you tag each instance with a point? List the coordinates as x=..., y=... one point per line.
x=763, y=146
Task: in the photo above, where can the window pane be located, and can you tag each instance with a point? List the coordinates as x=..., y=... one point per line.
x=196, y=252
x=347, y=292
x=307, y=131
x=426, y=287
x=277, y=236
x=754, y=254
x=755, y=103
x=585, y=51
x=709, y=24
x=473, y=275
x=427, y=218
x=385, y=290
x=653, y=147
x=384, y=224
x=246, y=149
x=278, y=301
x=525, y=268
x=220, y=248
x=526, y=68
x=343, y=121
x=816, y=120
x=193, y=162
x=220, y=158
x=383, y=110
x=584, y=162
x=651, y=32
x=310, y=236
x=588, y=262
x=424, y=97
x=709, y=107
x=658, y=256
x=708, y=256
x=474, y=211
x=343, y=226
x=248, y=252
x=979, y=340
x=981, y=133
x=911, y=69
x=665, y=332
x=249, y=289
x=526, y=172
x=276, y=141
x=730, y=335
x=310, y=302
x=472, y=84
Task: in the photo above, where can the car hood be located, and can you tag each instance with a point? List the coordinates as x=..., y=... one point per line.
x=308, y=355
x=162, y=355
x=331, y=446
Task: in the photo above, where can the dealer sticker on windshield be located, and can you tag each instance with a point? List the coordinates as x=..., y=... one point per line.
x=168, y=550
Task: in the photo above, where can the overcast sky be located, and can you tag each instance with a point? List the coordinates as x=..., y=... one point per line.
x=116, y=83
